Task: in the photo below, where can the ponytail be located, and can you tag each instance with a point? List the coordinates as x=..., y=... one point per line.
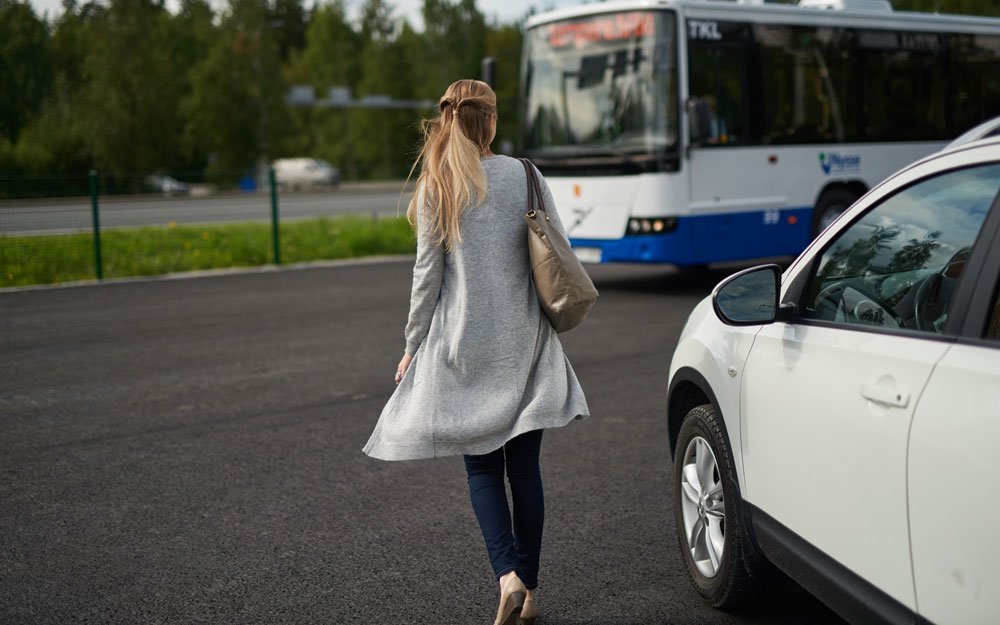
x=452, y=179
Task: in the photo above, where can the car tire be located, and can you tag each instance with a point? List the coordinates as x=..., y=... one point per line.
x=740, y=578
x=831, y=205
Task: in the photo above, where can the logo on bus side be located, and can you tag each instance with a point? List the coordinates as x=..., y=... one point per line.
x=834, y=163
x=698, y=29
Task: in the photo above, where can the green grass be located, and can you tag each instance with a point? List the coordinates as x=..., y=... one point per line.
x=156, y=250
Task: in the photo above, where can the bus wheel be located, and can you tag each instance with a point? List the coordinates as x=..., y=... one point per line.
x=830, y=206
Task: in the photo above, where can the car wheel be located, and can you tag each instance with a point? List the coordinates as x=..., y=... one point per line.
x=831, y=205
x=708, y=514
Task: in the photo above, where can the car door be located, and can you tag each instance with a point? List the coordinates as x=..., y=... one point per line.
x=827, y=399
x=954, y=468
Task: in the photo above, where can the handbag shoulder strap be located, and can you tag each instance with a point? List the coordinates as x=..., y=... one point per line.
x=535, y=198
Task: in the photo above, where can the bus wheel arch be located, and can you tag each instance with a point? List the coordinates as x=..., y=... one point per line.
x=834, y=199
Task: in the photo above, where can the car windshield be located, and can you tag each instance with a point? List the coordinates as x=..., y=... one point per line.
x=601, y=84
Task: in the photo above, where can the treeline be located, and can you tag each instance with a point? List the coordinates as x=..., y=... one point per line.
x=128, y=87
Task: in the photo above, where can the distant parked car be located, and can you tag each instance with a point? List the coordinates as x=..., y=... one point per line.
x=166, y=184
x=305, y=173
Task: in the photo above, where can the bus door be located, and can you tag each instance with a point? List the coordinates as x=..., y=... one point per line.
x=734, y=186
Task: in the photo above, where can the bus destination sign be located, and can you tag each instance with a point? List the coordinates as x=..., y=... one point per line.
x=605, y=28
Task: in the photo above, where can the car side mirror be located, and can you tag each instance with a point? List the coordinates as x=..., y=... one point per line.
x=749, y=297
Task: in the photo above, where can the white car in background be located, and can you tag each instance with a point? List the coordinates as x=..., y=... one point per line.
x=304, y=173
x=840, y=421
x=166, y=185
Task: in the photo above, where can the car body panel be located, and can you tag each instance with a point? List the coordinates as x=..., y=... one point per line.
x=823, y=459
x=989, y=128
x=699, y=350
x=953, y=504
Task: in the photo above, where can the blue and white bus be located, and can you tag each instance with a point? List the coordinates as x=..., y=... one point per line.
x=694, y=132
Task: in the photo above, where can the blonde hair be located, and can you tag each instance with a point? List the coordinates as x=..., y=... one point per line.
x=452, y=178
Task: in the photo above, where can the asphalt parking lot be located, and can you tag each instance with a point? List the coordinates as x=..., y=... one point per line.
x=189, y=451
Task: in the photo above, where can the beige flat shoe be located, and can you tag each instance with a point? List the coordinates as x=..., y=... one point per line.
x=528, y=613
x=511, y=602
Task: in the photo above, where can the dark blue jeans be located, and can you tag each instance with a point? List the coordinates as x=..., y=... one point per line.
x=517, y=548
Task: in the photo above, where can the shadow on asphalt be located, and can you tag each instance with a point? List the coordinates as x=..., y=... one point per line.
x=664, y=280
x=668, y=283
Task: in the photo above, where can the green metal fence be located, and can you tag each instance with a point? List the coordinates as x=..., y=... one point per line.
x=129, y=226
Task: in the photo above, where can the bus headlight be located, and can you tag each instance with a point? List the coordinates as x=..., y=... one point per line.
x=651, y=225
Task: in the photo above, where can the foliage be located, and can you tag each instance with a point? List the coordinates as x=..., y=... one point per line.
x=504, y=42
x=129, y=87
x=25, y=65
x=236, y=111
x=131, y=95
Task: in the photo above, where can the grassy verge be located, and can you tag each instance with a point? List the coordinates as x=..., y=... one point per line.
x=149, y=251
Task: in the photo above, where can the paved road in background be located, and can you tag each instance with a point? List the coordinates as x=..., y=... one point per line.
x=45, y=217
x=189, y=451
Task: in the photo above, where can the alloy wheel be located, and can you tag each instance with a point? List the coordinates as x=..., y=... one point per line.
x=703, y=506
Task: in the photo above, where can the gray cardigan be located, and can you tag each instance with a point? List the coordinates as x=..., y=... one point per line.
x=487, y=364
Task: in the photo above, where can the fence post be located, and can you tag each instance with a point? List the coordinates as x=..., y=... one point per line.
x=275, y=238
x=96, y=219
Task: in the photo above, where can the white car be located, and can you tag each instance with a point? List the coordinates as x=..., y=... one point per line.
x=989, y=128
x=305, y=173
x=840, y=421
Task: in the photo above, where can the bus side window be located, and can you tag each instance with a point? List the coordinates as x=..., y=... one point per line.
x=975, y=89
x=807, y=88
x=717, y=100
x=907, y=67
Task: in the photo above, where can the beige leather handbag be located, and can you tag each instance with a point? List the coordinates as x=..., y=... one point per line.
x=564, y=289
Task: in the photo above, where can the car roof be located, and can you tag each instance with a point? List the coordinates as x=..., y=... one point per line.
x=992, y=140
x=989, y=128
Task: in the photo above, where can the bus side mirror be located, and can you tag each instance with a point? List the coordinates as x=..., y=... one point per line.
x=699, y=121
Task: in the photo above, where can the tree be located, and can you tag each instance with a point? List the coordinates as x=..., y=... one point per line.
x=381, y=137
x=455, y=38
x=130, y=100
x=236, y=111
x=55, y=141
x=329, y=59
x=504, y=42
x=915, y=254
x=192, y=34
x=25, y=66
x=289, y=20
x=330, y=56
x=70, y=40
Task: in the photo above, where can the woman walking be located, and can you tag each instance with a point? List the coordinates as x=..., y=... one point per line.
x=483, y=373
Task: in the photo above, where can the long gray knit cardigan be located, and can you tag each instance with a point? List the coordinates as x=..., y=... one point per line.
x=487, y=365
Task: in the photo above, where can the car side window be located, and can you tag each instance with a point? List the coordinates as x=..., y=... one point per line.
x=897, y=267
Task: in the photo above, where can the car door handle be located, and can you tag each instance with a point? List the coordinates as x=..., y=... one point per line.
x=885, y=396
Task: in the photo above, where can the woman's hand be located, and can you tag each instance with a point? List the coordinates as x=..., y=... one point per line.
x=403, y=365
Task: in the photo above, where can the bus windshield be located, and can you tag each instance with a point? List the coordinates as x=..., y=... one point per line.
x=601, y=85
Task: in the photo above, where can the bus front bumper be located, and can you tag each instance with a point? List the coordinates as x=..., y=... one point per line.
x=707, y=239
